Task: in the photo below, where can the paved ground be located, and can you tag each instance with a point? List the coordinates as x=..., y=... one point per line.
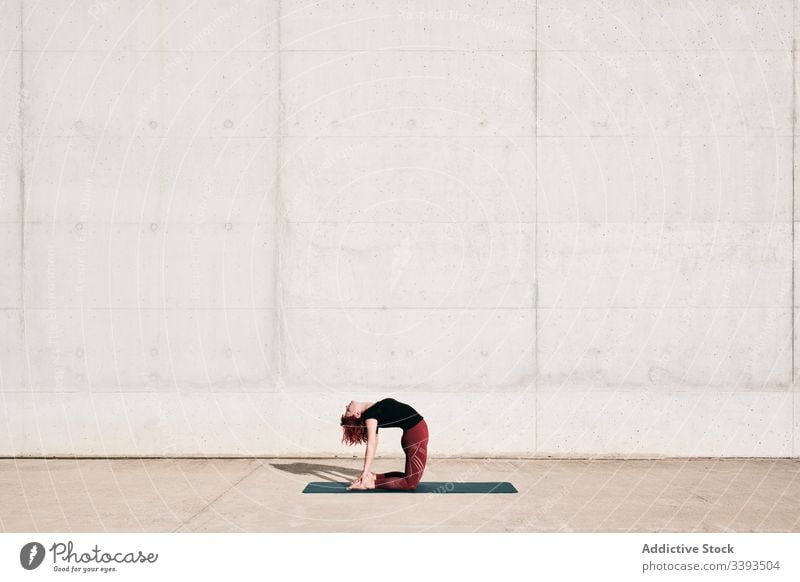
x=264, y=495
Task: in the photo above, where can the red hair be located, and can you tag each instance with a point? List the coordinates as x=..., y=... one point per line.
x=354, y=431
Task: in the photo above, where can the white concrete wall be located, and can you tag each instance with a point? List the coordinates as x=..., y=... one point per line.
x=557, y=227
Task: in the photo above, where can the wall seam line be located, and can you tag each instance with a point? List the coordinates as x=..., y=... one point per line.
x=794, y=131
x=278, y=339
x=536, y=228
x=22, y=187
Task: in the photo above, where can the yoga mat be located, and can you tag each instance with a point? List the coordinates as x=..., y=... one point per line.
x=424, y=487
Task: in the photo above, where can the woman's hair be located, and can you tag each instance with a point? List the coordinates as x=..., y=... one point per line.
x=354, y=431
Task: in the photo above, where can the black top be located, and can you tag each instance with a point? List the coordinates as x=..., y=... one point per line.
x=391, y=413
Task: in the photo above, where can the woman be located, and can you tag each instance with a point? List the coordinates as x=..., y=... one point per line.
x=360, y=423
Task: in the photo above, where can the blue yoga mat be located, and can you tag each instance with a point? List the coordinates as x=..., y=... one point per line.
x=424, y=487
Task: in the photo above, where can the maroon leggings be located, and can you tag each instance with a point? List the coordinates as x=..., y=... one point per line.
x=415, y=445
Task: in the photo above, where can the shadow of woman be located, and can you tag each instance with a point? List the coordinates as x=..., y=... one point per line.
x=331, y=473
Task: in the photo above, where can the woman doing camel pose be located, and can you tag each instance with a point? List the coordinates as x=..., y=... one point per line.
x=360, y=424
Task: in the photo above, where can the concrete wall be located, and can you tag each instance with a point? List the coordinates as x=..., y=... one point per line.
x=555, y=227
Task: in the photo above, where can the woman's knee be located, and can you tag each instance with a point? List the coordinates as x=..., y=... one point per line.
x=413, y=480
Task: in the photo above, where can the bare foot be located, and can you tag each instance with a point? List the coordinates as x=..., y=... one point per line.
x=369, y=481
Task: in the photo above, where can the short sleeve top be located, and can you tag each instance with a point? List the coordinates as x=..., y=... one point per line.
x=390, y=413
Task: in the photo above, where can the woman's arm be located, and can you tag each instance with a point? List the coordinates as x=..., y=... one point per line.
x=372, y=443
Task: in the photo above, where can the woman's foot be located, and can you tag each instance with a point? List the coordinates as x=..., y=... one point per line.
x=369, y=481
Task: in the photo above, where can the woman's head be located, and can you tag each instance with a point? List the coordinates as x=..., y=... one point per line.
x=353, y=427
x=354, y=431
x=353, y=409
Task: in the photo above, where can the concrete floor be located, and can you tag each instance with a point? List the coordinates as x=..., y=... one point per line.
x=264, y=495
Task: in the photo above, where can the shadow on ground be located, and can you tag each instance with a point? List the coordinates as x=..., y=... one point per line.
x=332, y=473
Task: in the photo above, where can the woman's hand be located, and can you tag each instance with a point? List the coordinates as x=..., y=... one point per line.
x=364, y=481
x=356, y=483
